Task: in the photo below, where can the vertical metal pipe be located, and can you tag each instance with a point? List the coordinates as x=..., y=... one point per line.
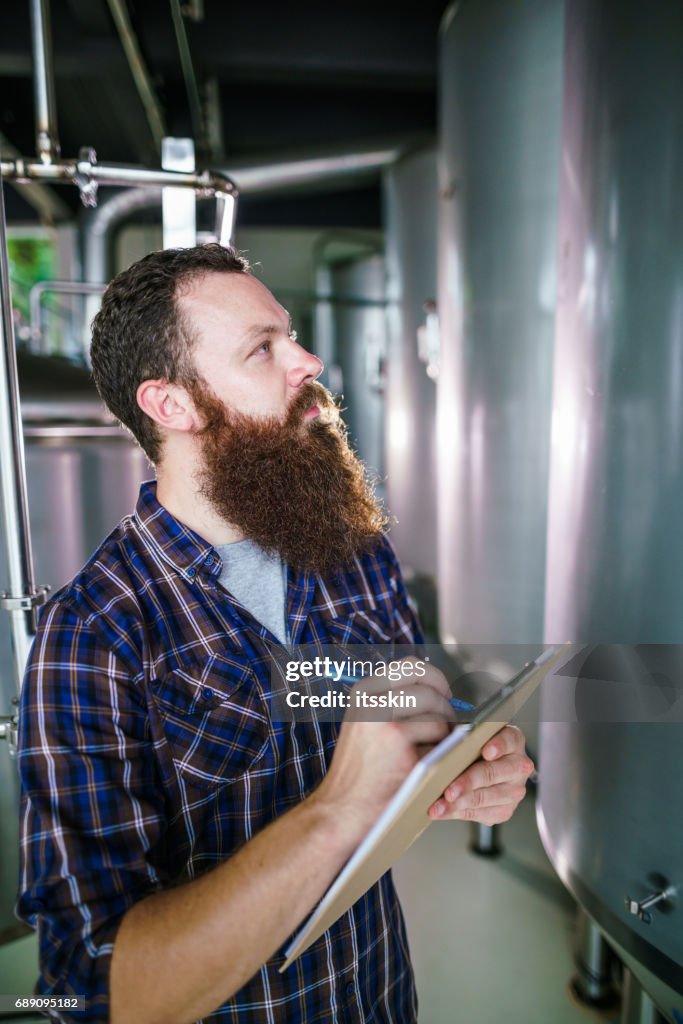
x=13, y=474
x=47, y=139
x=637, y=1007
x=593, y=958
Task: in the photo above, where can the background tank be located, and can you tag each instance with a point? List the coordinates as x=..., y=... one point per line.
x=352, y=337
x=500, y=112
x=410, y=203
x=610, y=793
x=83, y=474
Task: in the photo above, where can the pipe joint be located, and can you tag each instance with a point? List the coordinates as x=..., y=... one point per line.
x=9, y=730
x=83, y=178
x=25, y=602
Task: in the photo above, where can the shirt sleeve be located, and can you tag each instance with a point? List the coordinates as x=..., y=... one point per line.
x=406, y=624
x=91, y=817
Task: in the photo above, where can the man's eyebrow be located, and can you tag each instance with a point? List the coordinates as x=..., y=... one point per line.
x=259, y=329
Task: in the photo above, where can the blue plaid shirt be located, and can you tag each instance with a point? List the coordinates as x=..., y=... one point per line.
x=147, y=756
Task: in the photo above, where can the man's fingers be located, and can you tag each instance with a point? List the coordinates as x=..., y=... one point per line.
x=481, y=774
x=481, y=804
x=491, y=796
x=510, y=740
x=426, y=675
x=423, y=731
x=497, y=815
x=409, y=700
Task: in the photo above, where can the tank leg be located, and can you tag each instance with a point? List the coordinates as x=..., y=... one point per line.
x=592, y=983
x=637, y=1007
x=485, y=840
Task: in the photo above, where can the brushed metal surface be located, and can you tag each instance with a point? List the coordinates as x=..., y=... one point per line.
x=610, y=794
x=500, y=114
x=78, y=489
x=410, y=198
x=357, y=302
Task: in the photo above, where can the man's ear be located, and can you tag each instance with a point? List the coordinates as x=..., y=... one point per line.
x=169, y=405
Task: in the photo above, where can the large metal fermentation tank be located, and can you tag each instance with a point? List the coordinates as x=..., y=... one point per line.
x=611, y=794
x=500, y=115
x=83, y=474
x=410, y=201
x=357, y=301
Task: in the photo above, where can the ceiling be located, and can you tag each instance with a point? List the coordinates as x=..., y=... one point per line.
x=272, y=77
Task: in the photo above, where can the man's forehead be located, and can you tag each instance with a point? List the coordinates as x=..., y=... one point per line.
x=239, y=296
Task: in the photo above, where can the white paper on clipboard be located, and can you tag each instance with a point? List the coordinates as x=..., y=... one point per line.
x=405, y=817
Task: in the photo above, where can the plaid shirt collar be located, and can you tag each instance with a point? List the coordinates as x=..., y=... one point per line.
x=191, y=556
x=182, y=548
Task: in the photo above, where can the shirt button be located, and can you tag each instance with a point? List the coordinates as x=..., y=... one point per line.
x=209, y=560
x=207, y=693
x=350, y=988
x=191, y=573
x=312, y=749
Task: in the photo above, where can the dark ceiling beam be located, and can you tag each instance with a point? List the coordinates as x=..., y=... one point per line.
x=106, y=114
x=93, y=15
x=103, y=54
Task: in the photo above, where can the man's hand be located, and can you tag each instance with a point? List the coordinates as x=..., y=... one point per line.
x=373, y=757
x=490, y=790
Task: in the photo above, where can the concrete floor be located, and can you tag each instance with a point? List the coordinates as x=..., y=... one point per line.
x=490, y=939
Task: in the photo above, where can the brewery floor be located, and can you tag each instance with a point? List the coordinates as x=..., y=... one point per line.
x=491, y=939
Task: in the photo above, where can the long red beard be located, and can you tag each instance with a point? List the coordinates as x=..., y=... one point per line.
x=295, y=488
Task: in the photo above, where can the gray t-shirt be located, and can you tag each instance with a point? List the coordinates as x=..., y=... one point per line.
x=258, y=581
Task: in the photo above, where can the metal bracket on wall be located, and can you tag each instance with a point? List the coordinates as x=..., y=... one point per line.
x=26, y=602
x=9, y=730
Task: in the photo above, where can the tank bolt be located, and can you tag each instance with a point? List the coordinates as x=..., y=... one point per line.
x=641, y=908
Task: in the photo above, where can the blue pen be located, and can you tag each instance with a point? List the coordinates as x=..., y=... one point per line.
x=455, y=702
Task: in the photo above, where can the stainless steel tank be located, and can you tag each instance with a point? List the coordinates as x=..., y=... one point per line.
x=500, y=85
x=611, y=783
x=410, y=204
x=83, y=475
x=357, y=305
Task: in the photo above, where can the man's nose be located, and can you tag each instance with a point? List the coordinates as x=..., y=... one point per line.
x=305, y=367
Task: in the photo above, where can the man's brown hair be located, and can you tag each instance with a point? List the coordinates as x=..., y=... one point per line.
x=139, y=333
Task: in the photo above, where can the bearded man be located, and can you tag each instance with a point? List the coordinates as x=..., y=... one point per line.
x=174, y=835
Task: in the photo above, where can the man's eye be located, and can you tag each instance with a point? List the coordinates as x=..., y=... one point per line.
x=264, y=346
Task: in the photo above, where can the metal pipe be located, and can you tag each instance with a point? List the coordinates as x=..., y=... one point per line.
x=272, y=176
x=47, y=139
x=100, y=222
x=205, y=183
x=139, y=71
x=44, y=200
x=60, y=287
x=22, y=598
x=196, y=112
x=278, y=174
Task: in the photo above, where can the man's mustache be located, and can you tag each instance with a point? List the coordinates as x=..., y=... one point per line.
x=310, y=394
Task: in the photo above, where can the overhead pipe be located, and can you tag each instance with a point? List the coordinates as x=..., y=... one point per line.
x=85, y=170
x=47, y=140
x=139, y=71
x=196, y=111
x=271, y=177
x=47, y=204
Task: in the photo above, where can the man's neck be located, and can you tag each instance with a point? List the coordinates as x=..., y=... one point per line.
x=179, y=494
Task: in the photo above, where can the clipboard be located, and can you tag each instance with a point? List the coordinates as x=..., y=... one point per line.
x=405, y=817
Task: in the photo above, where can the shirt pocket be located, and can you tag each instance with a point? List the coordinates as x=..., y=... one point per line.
x=362, y=626
x=213, y=719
